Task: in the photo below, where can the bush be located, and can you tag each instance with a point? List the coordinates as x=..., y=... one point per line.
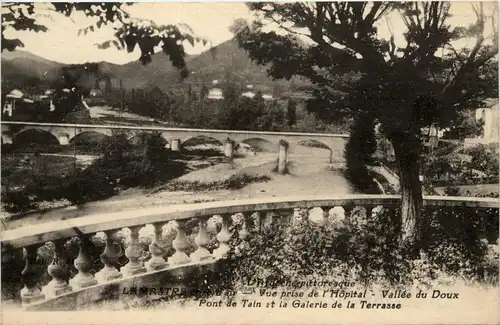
x=358, y=155
x=366, y=253
x=235, y=182
x=122, y=166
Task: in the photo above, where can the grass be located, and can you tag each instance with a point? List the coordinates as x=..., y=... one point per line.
x=19, y=169
x=235, y=182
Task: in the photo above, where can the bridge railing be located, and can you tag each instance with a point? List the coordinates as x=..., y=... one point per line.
x=266, y=212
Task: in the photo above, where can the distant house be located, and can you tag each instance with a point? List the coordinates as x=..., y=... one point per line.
x=489, y=116
x=267, y=97
x=248, y=94
x=215, y=93
x=13, y=99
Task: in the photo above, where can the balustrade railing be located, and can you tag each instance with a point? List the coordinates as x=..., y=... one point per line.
x=264, y=212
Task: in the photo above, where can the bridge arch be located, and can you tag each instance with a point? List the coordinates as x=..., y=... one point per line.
x=202, y=144
x=201, y=139
x=88, y=137
x=35, y=136
x=138, y=138
x=261, y=144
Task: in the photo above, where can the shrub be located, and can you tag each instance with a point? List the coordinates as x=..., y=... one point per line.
x=366, y=253
x=358, y=154
x=122, y=166
x=235, y=182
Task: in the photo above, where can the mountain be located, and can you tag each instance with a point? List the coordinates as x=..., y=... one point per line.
x=20, y=63
x=224, y=62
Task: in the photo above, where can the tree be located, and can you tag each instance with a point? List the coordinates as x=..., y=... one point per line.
x=359, y=74
x=291, y=113
x=129, y=32
x=465, y=126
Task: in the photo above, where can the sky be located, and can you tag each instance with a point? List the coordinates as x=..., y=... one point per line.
x=210, y=20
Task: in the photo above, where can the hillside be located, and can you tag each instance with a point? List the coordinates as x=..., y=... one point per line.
x=226, y=60
x=18, y=63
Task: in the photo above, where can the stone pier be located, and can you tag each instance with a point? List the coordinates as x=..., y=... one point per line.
x=229, y=149
x=175, y=144
x=282, y=157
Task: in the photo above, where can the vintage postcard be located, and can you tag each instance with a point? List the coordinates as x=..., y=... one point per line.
x=249, y=163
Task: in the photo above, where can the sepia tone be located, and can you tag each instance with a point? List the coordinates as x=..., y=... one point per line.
x=253, y=163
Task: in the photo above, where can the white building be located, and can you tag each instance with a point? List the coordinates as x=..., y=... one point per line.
x=489, y=116
x=215, y=93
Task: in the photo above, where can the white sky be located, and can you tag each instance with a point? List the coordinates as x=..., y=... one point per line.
x=210, y=20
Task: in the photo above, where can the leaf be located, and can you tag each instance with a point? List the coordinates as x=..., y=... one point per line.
x=91, y=28
x=190, y=39
x=104, y=45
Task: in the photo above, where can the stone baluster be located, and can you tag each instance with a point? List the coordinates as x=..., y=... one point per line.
x=285, y=217
x=224, y=236
x=268, y=219
x=30, y=293
x=326, y=214
x=180, y=245
x=109, y=257
x=245, y=232
x=59, y=272
x=157, y=250
x=133, y=253
x=261, y=216
x=202, y=240
x=83, y=264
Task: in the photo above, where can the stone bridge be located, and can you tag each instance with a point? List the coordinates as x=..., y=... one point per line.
x=65, y=133
x=192, y=257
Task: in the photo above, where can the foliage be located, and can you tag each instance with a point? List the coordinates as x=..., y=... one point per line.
x=484, y=159
x=466, y=126
x=129, y=32
x=291, y=114
x=366, y=253
x=359, y=74
x=122, y=166
x=76, y=80
x=358, y=153
x=481, y=167
x=235, y=182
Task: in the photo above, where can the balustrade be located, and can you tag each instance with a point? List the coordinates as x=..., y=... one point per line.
x=30, y=293
x=157, y=262
x=83, y=264
x=268, y=213
x=109, y=258
x=134, y=253
x=202, y=241
x=180, y=244
x=223, y=237
x=59, y=272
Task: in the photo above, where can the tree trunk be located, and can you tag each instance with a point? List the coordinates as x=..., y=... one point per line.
x=407, y=152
